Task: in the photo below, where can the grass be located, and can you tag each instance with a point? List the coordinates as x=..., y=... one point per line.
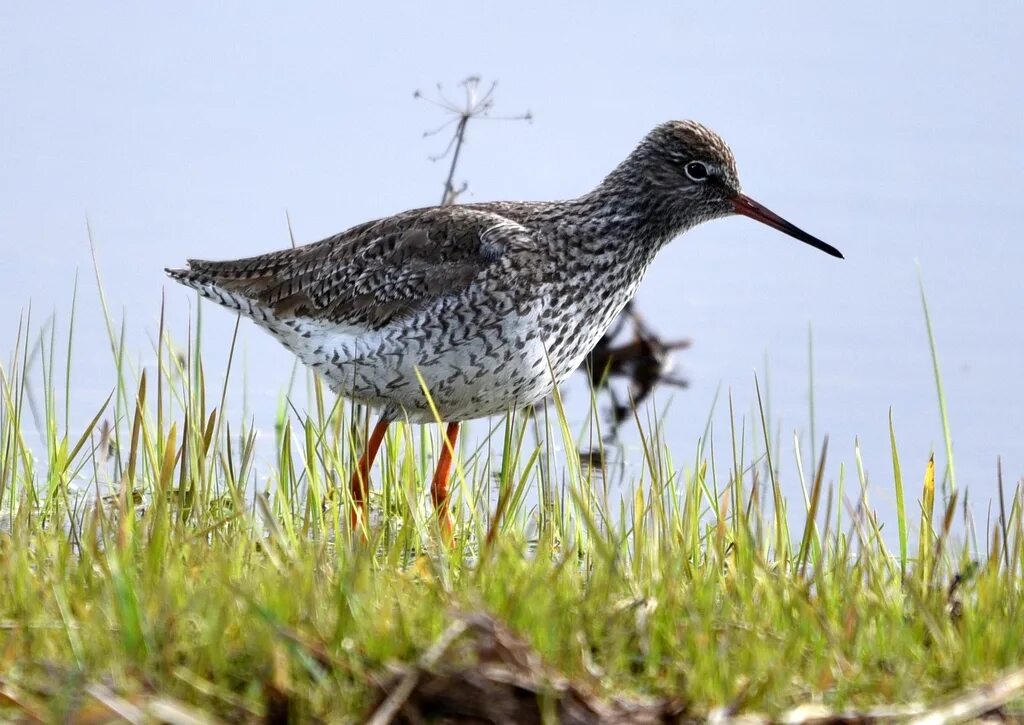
x=190, y=582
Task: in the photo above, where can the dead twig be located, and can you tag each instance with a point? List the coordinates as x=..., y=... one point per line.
x=494, y=676
x=475, y=105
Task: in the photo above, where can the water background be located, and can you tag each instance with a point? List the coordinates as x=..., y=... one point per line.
x=893, y=131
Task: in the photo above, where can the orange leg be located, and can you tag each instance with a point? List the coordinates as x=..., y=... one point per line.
x=439, y=485
x=361, y=476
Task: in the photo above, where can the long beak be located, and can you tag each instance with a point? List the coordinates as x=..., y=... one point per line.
x=746, y=206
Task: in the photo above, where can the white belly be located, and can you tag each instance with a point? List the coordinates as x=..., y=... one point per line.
x=503, y=365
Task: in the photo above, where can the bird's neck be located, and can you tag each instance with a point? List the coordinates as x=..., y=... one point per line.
x=628, y=208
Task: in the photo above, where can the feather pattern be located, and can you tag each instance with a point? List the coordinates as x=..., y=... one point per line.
x=371, y=274
x=489, y=305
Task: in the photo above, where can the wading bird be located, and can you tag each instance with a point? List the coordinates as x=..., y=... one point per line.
x=479, y=308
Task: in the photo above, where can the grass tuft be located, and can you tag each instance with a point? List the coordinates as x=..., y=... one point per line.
x=155, y=557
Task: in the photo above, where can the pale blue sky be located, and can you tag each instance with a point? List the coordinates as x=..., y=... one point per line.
x=892, y=130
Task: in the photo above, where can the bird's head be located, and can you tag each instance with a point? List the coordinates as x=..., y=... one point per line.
x=692, y=171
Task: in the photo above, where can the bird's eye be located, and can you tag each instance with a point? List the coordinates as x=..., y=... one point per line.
x=696, y=170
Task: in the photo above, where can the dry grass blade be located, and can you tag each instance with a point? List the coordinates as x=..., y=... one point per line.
x=986, y=701
x=116, y=704
x=174, y=712
x=978, y=702
x=12, y=698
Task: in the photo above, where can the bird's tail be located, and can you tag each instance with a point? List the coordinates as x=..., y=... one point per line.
x=202, y=277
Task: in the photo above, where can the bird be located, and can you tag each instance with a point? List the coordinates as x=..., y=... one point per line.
x=451, y=313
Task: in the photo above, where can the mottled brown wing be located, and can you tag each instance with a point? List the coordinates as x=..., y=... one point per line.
x=370, y=274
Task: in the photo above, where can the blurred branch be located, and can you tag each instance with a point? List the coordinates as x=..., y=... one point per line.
x=646, y=360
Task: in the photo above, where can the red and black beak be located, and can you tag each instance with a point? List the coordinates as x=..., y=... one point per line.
x=746, y=206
